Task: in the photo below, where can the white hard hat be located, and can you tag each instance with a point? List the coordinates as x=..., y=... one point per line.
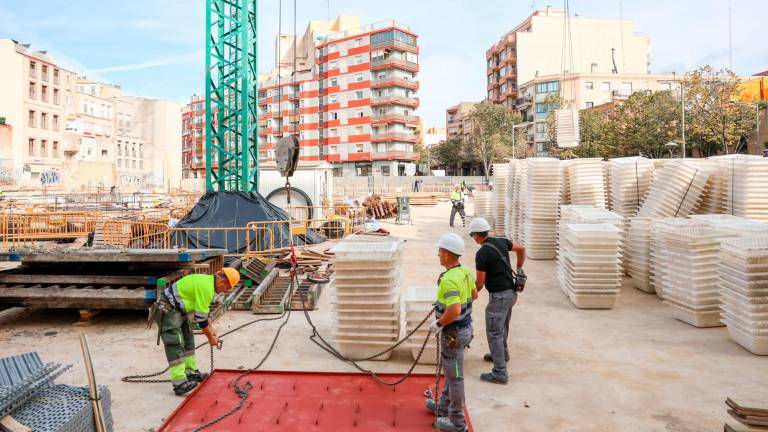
x=451, y=242
x=457, y=185
x=479, y=225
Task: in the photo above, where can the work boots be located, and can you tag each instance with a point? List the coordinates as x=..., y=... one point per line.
x=196, y=376
x=184, y=388
x=444, y=424
x=432, y=407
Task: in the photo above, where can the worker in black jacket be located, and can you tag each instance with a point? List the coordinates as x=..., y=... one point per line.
x=494, y=272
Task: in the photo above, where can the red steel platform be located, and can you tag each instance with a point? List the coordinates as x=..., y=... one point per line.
x=307, y=402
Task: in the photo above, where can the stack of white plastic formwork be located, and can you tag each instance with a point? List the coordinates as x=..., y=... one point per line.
x=585, y=182
x=630, y=178
x=589, y=268
x=419, y=302
x=500, y=183
x=713, y=198
x=658, y=252
x=638, y=256
x=677, y=190
x=541, y=207
x=747, y=191
x=584, y=214
x=366, y=305
x=519, y=195
x=483, y=201
x=744, y=291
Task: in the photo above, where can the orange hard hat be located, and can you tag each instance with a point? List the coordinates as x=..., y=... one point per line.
x=233, y=276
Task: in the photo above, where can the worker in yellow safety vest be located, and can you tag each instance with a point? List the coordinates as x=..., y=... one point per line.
x=188, y=301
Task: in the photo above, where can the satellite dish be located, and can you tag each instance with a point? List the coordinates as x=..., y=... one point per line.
x=567, y=127
x=287, y=155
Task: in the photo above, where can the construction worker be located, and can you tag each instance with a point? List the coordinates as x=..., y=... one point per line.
x=457, y=203
x=493, y=271
x=184, y=302
x=453, y=323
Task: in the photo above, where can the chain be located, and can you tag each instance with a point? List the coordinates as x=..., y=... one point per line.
x=438, y=366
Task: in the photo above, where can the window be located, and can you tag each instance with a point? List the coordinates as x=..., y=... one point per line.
x=590, y=104
x=43, y=120
x=541, y=108
x=626, y=88
x=133, y=164
x=385, y=170
x=119, y=163
x=358, y=42
x=31, y=149
x=548, y=87
x=119, y=149
x=104, y=153
x=334, y=82
x=334, y=98
x=359, y=94
x=333, y=132
x=56, y=76
x=55, y=122
x=32, y=119
x=392, y=35
x=45, y=72
x=33, y=69
x=141, y=150
x=133, y=151
x=333, y=116
x=141, y=164
x=359, y=130
x=32, y=90
x=338, y=172
x=55, y=96
x=43, y=147
x=358, y=77
x=541, y=127
x=589, y=85
x=55, y=147
x=333, y=65
x=665, y=86
x=44, y=93
x=360, y=113
x=359, y=59
x=358, y=148
x=606, y=87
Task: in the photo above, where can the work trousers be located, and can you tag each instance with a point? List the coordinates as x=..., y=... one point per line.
x=179, y=341
x=453, y=214
x=497, y=316
x=453, y=342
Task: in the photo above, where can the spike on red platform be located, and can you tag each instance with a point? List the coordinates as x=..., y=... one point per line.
x=348, y=403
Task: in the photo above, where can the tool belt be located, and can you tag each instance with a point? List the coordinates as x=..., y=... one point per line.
x=156, y=313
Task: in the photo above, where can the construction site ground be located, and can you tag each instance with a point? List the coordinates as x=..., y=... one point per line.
x=632, y=368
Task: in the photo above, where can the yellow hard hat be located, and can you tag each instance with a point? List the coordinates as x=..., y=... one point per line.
x=233, y=276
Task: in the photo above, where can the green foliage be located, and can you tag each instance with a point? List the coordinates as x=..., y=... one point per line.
x=491, y=135
x=449, y=152
x=645, y=123
x=2, y=120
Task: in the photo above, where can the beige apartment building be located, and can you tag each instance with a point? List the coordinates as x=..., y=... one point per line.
x=457, y=122
x=66, y=132
x=534, y=48
x=580, y=91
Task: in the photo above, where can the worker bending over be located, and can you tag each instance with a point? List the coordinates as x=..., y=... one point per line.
x=186, y=301
x=454, y=326
x=495, y=272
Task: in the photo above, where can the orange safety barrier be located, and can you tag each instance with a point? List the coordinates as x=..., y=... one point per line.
x=19, y=228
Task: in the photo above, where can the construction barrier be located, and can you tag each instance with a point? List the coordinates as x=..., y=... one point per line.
x=17, y=229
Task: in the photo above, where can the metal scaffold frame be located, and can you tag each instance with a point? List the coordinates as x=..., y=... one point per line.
x=231, y=90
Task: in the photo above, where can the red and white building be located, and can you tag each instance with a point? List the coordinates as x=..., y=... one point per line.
x=354, y=107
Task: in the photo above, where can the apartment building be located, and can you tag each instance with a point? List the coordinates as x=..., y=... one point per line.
x=193, y=144
x=72, y=133
x=580, y=91
x=457, y=122
x=534, y=48
x=354, y=106
x=35, y=95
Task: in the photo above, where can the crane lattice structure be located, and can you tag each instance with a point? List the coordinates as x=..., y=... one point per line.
x=231, y=91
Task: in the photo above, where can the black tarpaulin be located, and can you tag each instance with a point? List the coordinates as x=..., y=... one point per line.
x=235, y=210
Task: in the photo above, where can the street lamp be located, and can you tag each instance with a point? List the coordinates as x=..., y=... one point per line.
x=517, y=126
x=671, y=146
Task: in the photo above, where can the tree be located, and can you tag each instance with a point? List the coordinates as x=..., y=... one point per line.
x=448, y=152
x=491, y=133
x=715, y=121
x=596, y=135
x=644, y=123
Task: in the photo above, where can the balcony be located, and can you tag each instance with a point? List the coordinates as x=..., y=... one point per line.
x=395, y=155
x=393, y=136
x=395, y=82
x=262, y=101
x=394, y=118
x=396, y=44
x=524, y=102
x=389, y=62
x=395, y=100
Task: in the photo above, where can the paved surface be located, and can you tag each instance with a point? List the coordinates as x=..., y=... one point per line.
x=633, y=368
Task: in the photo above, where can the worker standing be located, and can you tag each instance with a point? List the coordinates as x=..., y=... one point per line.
x=495, y=272
x=453, y=324
x=186, y=301
x=457, y=203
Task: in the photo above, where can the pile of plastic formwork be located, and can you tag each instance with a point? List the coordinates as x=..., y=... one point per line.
x=629, y=179
x=589, y=268
x=690, y=282
x=638, y=258
x=482, y=202
x=519, y=173
x=658, y=252
x=419, y=301
x=744, y=291
x=747, y=193
x=499, y=207
x=586, y=182
x=677, y=190
x=713, y=198
x=366, y=305
x=544, y=182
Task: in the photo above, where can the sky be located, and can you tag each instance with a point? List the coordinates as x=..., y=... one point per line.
x=155, y=48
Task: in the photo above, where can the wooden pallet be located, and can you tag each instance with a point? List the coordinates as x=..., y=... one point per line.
x=311, y=296
x=271, y=295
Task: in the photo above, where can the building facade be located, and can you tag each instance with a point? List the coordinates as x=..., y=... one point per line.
x=354, y=107
x=580, y=91
x=193, y=144
x=535, y=48
x=457, y=121
x=71, y=133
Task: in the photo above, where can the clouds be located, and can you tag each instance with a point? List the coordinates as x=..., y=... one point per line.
x=193, y=56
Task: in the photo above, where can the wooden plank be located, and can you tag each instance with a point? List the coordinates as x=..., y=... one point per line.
x=10, y=424
x=75, y=279
x=114, y=255
x=78, y=298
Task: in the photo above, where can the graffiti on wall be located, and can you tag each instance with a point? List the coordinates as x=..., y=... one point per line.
x=49, y=178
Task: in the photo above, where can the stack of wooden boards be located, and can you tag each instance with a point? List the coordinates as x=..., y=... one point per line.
x=417, y=198
x=755, y=419
x=378, y=208
x=366, y=305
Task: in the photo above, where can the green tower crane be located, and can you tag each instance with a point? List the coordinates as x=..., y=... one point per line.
x=231, y=91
